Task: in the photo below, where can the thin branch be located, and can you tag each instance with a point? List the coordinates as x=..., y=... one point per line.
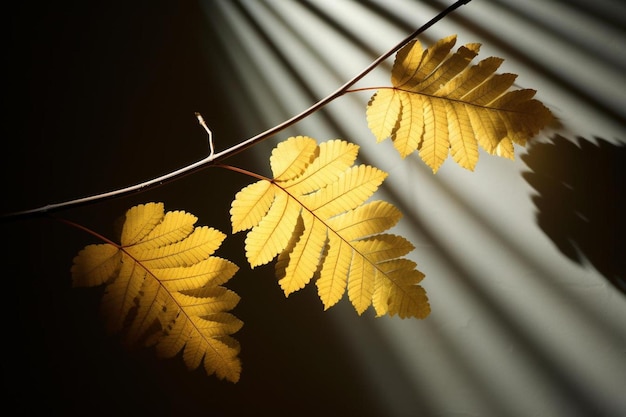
x=213, y=157
x=340, y=91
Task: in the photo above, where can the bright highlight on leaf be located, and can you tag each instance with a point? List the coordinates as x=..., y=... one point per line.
x=163, y=288
x=314, y=217
x=440, y=104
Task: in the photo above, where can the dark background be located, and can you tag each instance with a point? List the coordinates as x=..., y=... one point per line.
x=102, y=95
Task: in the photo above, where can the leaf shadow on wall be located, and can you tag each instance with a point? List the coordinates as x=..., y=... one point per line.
x=581, y=200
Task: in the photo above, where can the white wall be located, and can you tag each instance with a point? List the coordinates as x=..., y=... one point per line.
x=517, y=327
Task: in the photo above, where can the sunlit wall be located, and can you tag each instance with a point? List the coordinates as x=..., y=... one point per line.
x=527, y=311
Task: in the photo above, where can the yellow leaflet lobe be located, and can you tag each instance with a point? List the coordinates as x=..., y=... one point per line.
x=120, y=293
x=410, y=126
x=449, y=69
x=95, y=265
x=407, y=63
x=360, y=291
x=164, y=288
x=439, y=105
x=195, y=247
x=408, y=299
x=289, y=158
x=172, y=227
x=463, y=142
x=366, y=220
x=435, y=143
x=140, y=220
x=433, y=56
x=251, y=204
x=382, y=118
x=271, y=235
x=331, y=284
x=320, y=226
x=334, y=157
x=383, y=246
x=295, y=267
x=349, y=191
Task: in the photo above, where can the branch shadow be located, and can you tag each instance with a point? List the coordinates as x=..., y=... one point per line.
x=581, y=201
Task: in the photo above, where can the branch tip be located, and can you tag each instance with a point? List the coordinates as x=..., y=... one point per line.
x=208, y=131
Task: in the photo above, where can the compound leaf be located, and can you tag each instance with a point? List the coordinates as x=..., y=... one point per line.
x=315, y=219
x=441, y=105
x=163, y=288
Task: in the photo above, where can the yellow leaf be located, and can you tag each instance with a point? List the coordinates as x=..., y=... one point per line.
x=439, y=104
x=320, y=225
x=163, y=288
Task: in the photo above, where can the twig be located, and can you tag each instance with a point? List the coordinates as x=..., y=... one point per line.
x=213, y=157
x=208, y=131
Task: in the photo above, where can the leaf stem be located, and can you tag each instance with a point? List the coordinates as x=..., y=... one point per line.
x=87, y=230
x=213, y=157
x=243, y=171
